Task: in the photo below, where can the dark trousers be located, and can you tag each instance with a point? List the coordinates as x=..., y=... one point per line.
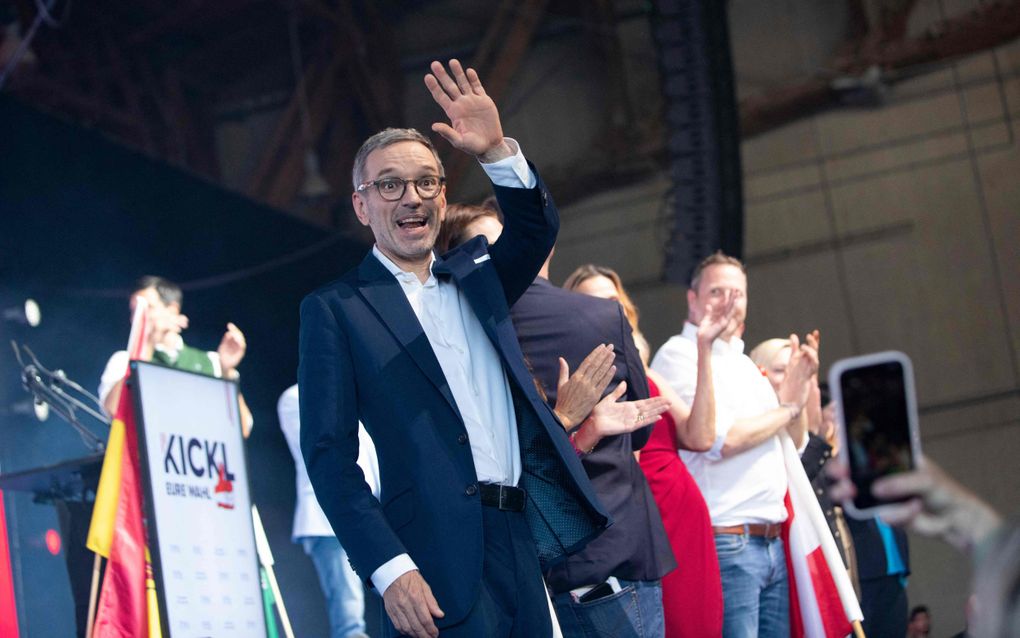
x=512, y=600
x=884, y=605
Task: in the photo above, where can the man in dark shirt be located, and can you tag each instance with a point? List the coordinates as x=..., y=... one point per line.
x=624, y=564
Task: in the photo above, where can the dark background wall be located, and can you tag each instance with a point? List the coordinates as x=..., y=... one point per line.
x=80, y=219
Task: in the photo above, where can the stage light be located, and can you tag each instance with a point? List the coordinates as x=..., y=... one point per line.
x=29, y=407
x=53, y=541
x=26, y=314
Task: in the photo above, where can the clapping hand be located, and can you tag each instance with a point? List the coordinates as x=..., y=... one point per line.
x=719, y=319
x=577, y=394
x=232, y=349
x=801, y=372
x=474, y=119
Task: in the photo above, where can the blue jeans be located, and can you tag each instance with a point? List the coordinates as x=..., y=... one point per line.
x=633, y=612
x=756, y=594
x=345, y=596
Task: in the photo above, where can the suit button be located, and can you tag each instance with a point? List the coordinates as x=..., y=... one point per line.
x=471, y=490
x=462, y=439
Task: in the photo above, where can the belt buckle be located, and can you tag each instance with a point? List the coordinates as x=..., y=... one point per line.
x=504, y=496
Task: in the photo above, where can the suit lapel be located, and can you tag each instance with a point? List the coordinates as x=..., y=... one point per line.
x=380, y=289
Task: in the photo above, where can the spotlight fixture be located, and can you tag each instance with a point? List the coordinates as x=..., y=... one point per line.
x=26, y=314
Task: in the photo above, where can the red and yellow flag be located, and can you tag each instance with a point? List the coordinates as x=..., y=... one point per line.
x=126, y=604
x=122, y=611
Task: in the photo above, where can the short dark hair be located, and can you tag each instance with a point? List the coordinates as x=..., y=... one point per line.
x=168, y=291
x=453, y=232
x=920, y=609
x=388, y=137
x=718, y=258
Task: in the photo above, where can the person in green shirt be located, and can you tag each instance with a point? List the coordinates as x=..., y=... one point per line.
x=164, y=344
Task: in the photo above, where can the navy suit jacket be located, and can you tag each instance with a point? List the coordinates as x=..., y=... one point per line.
x=552, y=322
x=364, y=355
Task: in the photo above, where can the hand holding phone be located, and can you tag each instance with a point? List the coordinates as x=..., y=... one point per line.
x=878, y=427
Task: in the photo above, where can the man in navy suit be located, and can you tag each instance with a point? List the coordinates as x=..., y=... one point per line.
x=481, y=490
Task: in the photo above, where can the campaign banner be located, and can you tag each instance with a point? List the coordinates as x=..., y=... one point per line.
x=198, y=504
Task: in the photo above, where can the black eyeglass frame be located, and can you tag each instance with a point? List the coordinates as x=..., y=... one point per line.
x=403, y=182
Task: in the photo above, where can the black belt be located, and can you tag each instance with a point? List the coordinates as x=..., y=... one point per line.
x=505, y=497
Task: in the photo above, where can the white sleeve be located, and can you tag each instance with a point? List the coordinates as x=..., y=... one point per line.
x=115, y=370
x=368, y=460
x=679, y=369
x=511, y=172
x=288, y=409
x=391, y=570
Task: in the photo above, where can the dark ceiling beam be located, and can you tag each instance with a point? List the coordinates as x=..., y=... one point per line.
x=197, y=149
x=128, y=89
x=505, y=61
x=284, y=184
x=273, y=179
x=986, y=27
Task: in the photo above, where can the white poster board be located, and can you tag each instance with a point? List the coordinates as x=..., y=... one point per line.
x=198, y=504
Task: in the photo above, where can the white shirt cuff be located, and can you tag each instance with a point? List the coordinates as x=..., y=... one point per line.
x=513, y=171
x=391, y=570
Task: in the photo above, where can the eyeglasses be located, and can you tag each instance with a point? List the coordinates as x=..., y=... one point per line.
x=392, y=188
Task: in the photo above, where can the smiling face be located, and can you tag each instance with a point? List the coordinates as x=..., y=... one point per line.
x=404, y=230
x=715, y=283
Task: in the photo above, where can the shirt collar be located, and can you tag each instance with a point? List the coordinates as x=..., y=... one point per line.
x=719, y=347
x=403, y=276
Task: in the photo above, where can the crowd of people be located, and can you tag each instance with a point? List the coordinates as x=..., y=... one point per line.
x=498, y=456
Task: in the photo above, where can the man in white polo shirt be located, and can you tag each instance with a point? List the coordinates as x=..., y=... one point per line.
x=742, y=476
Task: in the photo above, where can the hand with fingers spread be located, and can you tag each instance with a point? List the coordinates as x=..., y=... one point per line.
x=612, y=416
x=577, y=394
x=719, y=319
x=411, y=606
x=801, y=372
x=232, y=348
x=474, y=119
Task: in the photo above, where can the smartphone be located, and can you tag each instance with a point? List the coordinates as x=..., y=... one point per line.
x=878, y=429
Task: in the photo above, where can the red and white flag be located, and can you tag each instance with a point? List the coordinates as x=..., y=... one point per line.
x=822, y=599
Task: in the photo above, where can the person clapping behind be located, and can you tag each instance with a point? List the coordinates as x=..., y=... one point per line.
x=163, y=344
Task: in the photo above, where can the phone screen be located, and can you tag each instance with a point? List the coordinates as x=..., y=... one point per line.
x=874, y=404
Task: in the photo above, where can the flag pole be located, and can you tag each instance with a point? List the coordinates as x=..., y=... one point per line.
x=93, y=591
x=266, y=558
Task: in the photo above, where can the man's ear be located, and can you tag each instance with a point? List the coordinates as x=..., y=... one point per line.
x=359, y=208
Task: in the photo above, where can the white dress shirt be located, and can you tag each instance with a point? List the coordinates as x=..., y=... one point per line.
x=748, y=487
x=470, y=363
x=309, y=519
